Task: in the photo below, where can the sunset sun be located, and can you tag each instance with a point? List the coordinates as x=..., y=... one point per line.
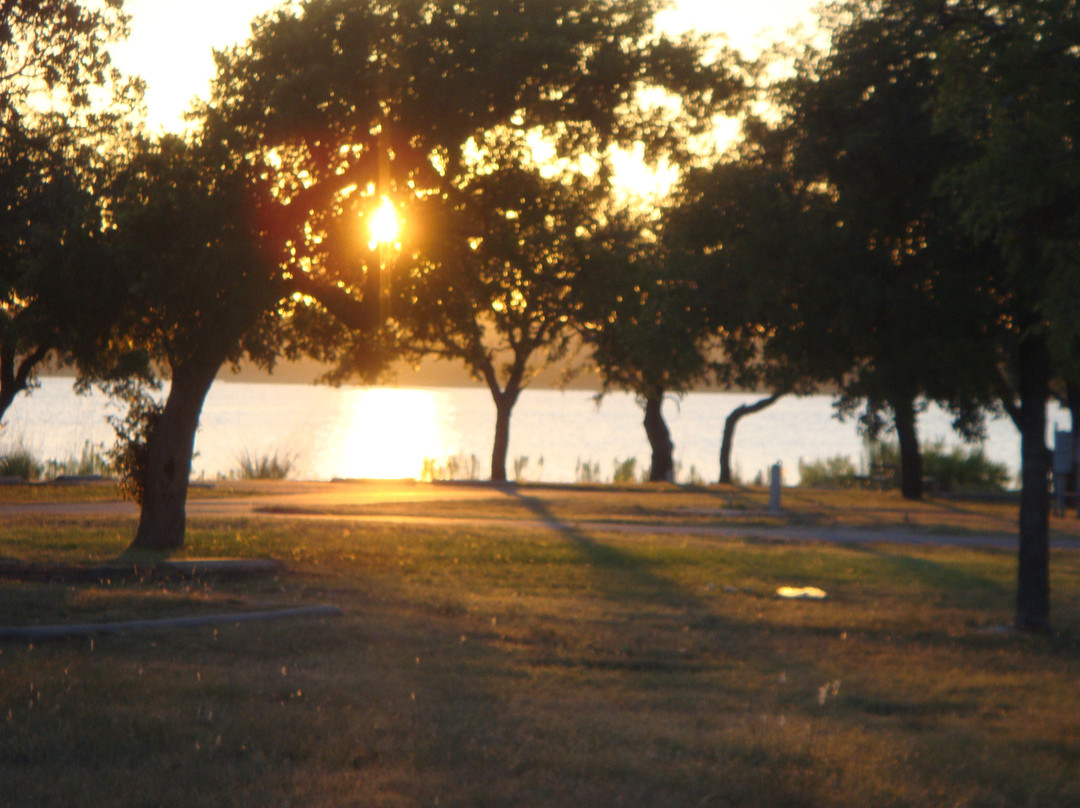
x=384, y=226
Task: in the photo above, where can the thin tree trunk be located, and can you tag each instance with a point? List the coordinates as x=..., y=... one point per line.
x=1033, y=579
x=730, y=422
x=504, y=405
x=663, y=466
x=163, y=516
x=907, y=435
x=505, y=398
x=1072, y=401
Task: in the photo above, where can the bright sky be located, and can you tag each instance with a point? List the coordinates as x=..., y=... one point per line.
x=171, y=40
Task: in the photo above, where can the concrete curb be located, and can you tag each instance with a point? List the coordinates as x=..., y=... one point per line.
x=56, y=632
x=175, y=569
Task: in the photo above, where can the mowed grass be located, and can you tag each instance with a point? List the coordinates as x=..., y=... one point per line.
x=559, y=665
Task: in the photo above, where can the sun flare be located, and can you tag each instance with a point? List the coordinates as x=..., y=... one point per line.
x=384, y=226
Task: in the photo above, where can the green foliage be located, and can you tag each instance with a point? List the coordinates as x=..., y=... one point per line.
x=586, y=471
x=837, y=471
x=434, y=106
x=22, y=463
x=264, y=467
x=959, y=469
x=521, y=465
x=626, y=471
x=91, y=461
x=57, y=290
x=130, y=453
x=950, y=470
x=1010, y=77
x=694, y=477
x=58, y=46
x=830, y=229
x=455, y=467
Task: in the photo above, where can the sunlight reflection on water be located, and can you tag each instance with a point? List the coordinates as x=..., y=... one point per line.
x=388, y=432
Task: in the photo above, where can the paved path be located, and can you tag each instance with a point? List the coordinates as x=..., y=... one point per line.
x=319, y=501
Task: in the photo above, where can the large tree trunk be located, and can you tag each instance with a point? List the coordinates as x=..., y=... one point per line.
x=663, y=465
x=169, y=450
x=1033, y=580
x=728, y=439
x=907, y=435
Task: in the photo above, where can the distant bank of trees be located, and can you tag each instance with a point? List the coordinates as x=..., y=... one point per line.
x=898, y=220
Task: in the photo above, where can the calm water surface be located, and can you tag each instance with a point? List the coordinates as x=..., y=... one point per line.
x=388, y=432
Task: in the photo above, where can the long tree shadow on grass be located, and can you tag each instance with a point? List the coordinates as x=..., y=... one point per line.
x=625, y=575
x=961, y=587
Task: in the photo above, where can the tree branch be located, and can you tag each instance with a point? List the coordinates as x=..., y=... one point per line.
x=358, y=314
x=1008, y=397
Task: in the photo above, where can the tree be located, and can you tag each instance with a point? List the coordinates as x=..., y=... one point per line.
x=751, y=231
x=55, y=287
x=1009, y=89
x=440, y=108
x=727, y=440
x=200, y=289
x=642, y=319
x=492, y=285
x=244, y=241
x=901, y=296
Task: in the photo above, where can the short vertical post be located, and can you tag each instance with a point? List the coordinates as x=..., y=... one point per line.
x=1062, y=467
x=776, y=472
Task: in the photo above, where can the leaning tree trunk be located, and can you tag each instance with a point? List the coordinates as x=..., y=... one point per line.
x=168, y=466
x=663, y=465
x=907, y=435
x=1033, y=579
x=729, y=432
x=15, y=374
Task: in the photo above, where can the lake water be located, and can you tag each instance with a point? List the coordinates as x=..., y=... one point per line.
x=388, y=432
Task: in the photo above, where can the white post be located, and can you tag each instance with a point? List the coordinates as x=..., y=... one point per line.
x=775, y=476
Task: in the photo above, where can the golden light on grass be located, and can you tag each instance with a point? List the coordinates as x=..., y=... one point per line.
x=384, y=225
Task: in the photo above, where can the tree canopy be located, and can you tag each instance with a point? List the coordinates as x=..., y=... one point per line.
x=1009, y=88
x=875, y=288
x=60, y=103
x=450, y=113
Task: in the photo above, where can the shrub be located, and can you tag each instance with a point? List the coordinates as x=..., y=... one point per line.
x=625, y=471
x=456, y=467
x=130, y=455
x=264, y=467
x=587, y=471
x=956, y=469
x=521, y=465
x=20, y=462
x=832, y=472
x=90, y=461
x=694, y=477
x=963, y=469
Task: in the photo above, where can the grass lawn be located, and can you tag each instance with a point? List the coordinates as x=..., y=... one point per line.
x=502, y=665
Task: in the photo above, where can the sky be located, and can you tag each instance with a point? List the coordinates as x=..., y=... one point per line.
x=172, y=40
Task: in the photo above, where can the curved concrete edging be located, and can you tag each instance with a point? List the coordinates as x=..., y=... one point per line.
x=181, y=569
x=52, y=632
